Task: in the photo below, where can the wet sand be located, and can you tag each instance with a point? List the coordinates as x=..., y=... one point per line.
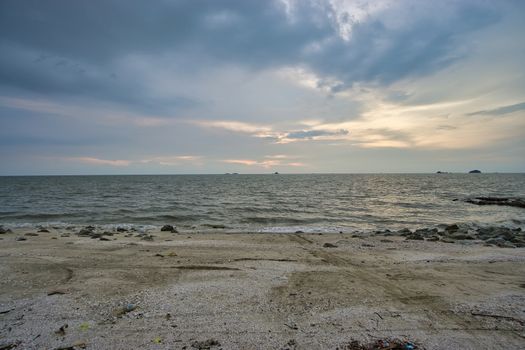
x=256, y=291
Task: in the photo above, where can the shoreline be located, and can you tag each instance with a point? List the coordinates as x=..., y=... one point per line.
x=257, y=291
x=460, y=233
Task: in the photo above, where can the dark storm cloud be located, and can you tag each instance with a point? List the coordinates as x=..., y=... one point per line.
x=75, y=47
x=501, y=110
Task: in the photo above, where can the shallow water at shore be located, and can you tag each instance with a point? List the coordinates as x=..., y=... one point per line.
x=260, y=203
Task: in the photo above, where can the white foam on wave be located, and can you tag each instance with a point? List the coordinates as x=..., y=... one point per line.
x=63, y=225
x=305, y=229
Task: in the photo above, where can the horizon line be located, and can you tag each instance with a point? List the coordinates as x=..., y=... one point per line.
x=272, y=173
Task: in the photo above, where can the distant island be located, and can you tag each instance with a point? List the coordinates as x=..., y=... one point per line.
x=475, y=171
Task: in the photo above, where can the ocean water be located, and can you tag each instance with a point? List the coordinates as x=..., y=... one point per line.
x=260, y=203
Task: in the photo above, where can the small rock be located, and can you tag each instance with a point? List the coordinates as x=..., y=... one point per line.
x=103, y=239
x=299, y=231
x=205, y=344
x=64, y=235
x=451, y=228
x=19, y=239
x=122, y=229
x=433, y=238
x=404, y=232
x=329, y=245
x=147, y=238
x=31, y=234
x=4, y=230
x=85, y=232
x=415, y=236
x=461, y=236
x=169, y=228
x=43, y=230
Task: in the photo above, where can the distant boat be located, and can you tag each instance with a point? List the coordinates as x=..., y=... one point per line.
x=441, y=172
x=276, y=173
x=475, y=172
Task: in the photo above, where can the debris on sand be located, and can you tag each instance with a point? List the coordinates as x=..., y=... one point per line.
x=79, y=344
x=382, y=344
x=56, y=292
x=61, y=331
x=205, y=344
x=291, y=345
x=121, y=311
x=9, y=346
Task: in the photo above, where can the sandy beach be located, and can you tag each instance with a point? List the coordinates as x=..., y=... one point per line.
x=256, y=291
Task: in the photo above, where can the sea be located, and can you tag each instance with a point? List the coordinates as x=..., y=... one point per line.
x=282, y=203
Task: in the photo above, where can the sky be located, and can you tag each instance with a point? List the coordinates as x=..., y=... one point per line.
x=253, y=86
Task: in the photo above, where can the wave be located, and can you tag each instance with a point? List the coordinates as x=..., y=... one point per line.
x=41, y=216
x=285, y=220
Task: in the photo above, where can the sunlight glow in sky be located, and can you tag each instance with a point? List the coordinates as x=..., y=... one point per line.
x=183, y=86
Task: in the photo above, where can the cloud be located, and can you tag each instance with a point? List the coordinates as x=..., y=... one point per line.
x=98, y=161
x=313, y=134
x=340, y=42
x=501, y=110
x=266, y=163
x=273, y=132
x=278, y=156
x=255, y=81
x=107, y=115
x=160, y=160
x=235, y=126
x=171, y=160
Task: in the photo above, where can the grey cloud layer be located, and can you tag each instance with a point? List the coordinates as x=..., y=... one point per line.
x=70, y=47
x=502, y=110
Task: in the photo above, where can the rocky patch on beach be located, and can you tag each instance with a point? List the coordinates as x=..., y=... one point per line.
x=507, y=201
x=500, y=236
